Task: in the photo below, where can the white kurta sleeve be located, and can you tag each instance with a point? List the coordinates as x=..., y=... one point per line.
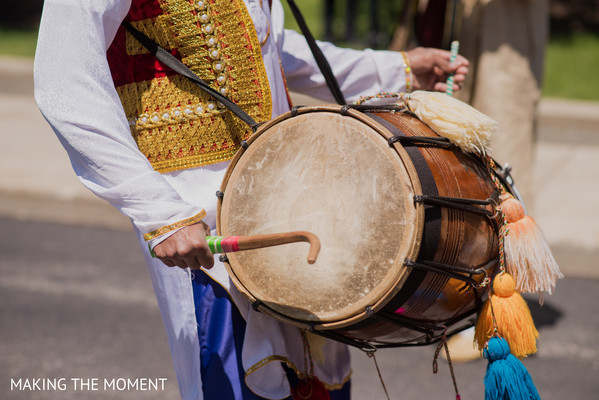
x=76, y=94
x=359, y=72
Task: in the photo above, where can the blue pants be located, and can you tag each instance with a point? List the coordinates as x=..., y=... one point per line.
x=221, y=330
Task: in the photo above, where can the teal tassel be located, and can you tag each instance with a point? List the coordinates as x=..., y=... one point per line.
x=506, y=377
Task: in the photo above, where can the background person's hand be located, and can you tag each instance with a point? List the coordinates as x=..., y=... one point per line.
x=187, y=248
x=431, y=67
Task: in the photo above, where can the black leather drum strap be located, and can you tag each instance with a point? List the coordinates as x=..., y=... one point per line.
x=321, y=60
x=432, y=226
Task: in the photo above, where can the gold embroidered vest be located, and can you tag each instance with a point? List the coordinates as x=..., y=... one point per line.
x=174, y=123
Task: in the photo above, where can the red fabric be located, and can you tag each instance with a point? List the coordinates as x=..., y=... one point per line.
x=310, y=388
x=143, y=9
x=138, y=68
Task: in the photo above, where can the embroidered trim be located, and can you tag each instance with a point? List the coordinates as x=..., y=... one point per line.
x=176, y=225
x=265, y=361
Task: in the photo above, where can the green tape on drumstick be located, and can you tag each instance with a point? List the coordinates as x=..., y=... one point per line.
x=231, y=244
x=216, y=244
x=455, y=46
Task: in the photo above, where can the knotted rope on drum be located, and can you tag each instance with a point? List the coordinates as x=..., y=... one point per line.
x=469, y=205
x=455, y=272
x=421, y=141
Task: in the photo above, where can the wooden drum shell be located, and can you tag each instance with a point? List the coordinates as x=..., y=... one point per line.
x=438, y=234
x=464, y=239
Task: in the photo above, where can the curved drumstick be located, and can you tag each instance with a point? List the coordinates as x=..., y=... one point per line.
x=230, y=244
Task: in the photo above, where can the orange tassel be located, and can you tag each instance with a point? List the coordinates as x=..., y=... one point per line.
x=527, y=255
x=506, y=314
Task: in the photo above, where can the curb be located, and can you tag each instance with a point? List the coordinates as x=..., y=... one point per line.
x=568, y=121
x=16, y=75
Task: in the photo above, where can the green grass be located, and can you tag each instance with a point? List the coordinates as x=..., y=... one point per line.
x=571, y=65
x=19, y=43
x=313, y=12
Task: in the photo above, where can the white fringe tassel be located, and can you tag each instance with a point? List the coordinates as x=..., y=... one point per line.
x=449, y=117
x=527, y=255
x=529, y=260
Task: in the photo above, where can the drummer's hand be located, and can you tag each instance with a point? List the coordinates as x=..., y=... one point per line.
x=187, y=248
x=431, y=67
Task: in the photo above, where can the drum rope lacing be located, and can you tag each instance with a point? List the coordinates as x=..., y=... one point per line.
x=469, y=205
x=431, y=330
x=464, y=204
x=421, y=140
x=453, y=271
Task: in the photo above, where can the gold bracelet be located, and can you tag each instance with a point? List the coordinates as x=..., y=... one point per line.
x=169, y=228
x=408, y=71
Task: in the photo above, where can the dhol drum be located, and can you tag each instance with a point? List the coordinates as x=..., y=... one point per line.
x=405, y=221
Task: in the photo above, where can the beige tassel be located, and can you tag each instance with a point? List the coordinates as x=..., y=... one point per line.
x=527, y=255
x=449, y=117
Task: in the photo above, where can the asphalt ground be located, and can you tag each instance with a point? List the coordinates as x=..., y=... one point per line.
x=76, y=302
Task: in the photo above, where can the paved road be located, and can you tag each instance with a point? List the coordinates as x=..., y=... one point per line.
x=70, y=309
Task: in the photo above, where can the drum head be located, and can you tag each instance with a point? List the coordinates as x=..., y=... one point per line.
x=335, y=176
